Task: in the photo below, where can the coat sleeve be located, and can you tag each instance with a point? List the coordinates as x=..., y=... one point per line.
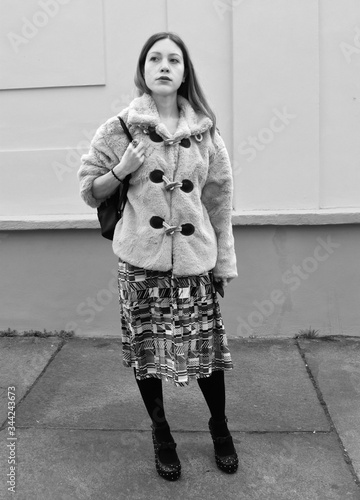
x=217, y=197
x=98, y=161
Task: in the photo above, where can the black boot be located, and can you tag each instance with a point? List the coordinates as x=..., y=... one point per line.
x=225, y=453
x=167, y=461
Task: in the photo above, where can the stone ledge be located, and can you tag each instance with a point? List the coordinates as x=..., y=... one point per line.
x=35, y=222
x=245, y=218
x=296, y=217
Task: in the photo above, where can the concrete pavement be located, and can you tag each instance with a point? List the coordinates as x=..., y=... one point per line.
x=83, y=433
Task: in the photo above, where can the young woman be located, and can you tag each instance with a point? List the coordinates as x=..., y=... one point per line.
x=174, y=241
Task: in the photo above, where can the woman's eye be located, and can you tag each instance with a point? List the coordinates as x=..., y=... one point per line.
x=153, y=58
x=175, y=60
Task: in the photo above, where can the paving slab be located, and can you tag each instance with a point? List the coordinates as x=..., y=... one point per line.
x=22, y=359
x=86, y=386
x=336, y=368
x=269, y=388
x=63, y=464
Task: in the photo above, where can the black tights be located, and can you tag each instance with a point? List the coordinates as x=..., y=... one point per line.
x=152, y=394
x=213, y=389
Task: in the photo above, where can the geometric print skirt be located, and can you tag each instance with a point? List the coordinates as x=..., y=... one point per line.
x=171, y=326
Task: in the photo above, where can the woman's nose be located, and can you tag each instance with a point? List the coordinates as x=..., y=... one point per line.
x=164, y=66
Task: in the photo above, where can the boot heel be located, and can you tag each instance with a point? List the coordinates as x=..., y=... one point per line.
x=170, y=471
x=227, y=462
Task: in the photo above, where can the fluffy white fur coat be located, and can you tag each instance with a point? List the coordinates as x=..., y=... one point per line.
x=204, y=204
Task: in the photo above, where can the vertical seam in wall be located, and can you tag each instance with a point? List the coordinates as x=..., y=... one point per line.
x=319, y=103
x=103, y=12
x=166, y=15
x=232, y=101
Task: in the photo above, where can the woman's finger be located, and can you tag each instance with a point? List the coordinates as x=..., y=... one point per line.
x=137, y=144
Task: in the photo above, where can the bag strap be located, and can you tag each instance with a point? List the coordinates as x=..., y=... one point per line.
x=125, y=129
x=125, y=186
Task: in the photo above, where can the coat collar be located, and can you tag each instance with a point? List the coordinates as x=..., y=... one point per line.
x=143, y=113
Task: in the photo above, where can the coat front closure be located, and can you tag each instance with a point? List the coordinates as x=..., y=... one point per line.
x=178, y=213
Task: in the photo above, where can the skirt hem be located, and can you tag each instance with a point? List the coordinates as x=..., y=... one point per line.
x=169, y=378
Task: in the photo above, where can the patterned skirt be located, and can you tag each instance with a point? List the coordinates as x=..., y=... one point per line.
x=171, y=326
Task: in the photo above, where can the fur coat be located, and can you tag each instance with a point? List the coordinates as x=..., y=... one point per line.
x=178, y=213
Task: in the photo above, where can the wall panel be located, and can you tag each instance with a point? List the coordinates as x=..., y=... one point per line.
x=340, y=103
x=51, y=43
x=276, y=104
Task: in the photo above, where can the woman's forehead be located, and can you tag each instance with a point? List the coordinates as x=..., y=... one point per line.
x=166, y=46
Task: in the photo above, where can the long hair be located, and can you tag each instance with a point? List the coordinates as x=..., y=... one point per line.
x=190, y=89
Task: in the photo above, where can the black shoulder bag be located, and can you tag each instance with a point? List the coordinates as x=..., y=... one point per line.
x=111, y=210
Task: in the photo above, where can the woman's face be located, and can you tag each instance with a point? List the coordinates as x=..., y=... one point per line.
x=164, y=68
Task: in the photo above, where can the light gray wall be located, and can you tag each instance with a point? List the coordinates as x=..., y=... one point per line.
x=281, y=75
x=65, y=279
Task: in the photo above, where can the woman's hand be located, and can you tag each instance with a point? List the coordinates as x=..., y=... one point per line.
x=224, y=281
x=132, y=159
x=220, y=284
x=105, y=185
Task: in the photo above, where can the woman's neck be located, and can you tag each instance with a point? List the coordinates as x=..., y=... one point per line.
x=167, y=106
